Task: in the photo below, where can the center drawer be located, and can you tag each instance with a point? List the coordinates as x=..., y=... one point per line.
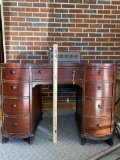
x=71, y=74
x=45, y=74
x=42, y=74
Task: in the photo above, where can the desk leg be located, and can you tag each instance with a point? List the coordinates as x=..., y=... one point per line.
x=109, y=141
x=30, y=139
x=83, y=141
x=5, y=139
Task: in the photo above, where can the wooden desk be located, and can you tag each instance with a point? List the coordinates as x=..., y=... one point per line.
x=117, y=98
x=22, y=101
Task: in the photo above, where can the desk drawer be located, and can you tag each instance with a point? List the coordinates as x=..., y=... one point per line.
x=17, y=125
x=97, y=127
x=15, y=89
x=15, y=74
x=99, y=74
x=42, y=74
x=98, y=108
x=16, y=106
x=70, y=74
x=93, y=89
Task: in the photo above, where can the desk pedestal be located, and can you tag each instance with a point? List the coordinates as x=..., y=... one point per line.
x=21, y=98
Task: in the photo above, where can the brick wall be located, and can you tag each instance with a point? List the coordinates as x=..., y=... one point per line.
x=89, y=26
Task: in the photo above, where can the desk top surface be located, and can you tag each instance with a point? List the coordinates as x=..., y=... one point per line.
x=47, y=65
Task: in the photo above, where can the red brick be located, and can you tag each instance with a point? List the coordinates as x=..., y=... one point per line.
x=80, y=22
x=94, y=44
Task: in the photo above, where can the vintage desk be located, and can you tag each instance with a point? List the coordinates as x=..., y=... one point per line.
x=117, y=99
x=22, y=100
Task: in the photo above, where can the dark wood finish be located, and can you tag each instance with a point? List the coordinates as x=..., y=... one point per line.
x=18, y=125
x=97, y=126
x=99, y=74
x=98, y=107
x=42, y=74
x=99, y=89
x=16, y=106
x=70, y=73
x=15, y=74
x=15, y=89
x=15, y=102
x=22, y=98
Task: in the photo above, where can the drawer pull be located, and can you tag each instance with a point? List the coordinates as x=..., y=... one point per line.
x=73, y=77
x=97, y=125
x=99, y=87
x=15, y=124
x=40, y=71
x=99, y=106
x=100, y=72
x=14, y=105
x=13, y=72
x=13, y=87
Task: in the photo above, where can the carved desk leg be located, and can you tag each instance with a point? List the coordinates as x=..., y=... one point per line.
x=109, y=141
x=30, y=139
x=5, y=139
x=83, y=141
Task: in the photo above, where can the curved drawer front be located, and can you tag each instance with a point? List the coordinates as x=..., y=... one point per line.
x=98, y=108
x=93, y=89
x=15, y=89
x=15, y=74
x=72, y=74
x=42, y=74
x=16, y=106
x=97, y=127
x=99, y=74
x=17, y=125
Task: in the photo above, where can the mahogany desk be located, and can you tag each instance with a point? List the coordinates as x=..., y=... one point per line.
x=22, y=100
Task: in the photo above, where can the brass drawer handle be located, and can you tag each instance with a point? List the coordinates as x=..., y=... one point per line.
x=99, y=106
x=40, y=71
x=15, y=124
x=14, y=105
x=99, y=87
x=13, y=72
x=73, y=77
x=13, y=87
x=100, y=72
x=97, y=125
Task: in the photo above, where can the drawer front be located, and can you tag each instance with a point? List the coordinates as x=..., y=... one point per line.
x=98, y=107
x=98, y=89
x=70, y=74
x=47, y=74
x=42, y=74
x=15, y=74
x=16, y=125
x=99, y=74
x=16, y=106
x=15, y=89
x=97, y=127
